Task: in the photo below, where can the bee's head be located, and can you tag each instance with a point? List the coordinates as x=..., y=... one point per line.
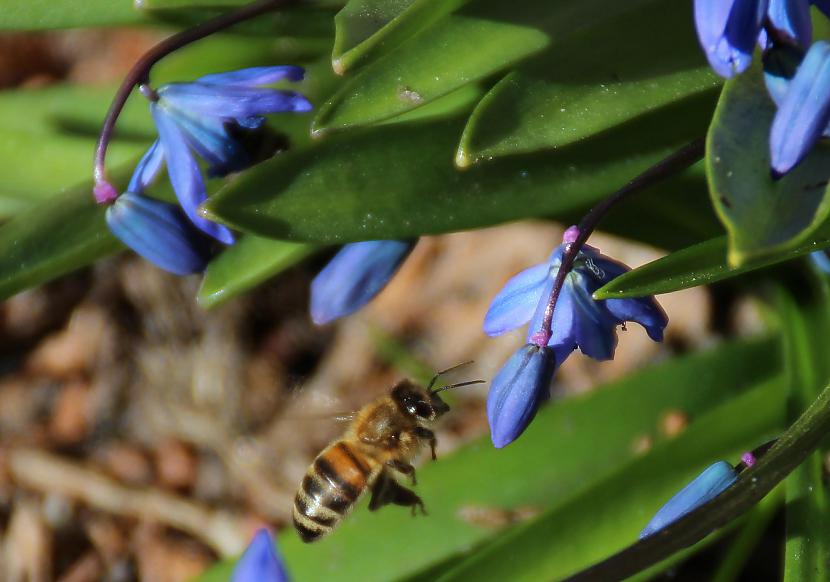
x=425, y=403
x=416, y=401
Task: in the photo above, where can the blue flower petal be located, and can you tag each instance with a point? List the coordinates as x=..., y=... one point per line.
x=255, y=76
x=728, y=30
x=159, y=232
x=792, y=17
x=805, y=111
x=230, y=102
x=147, y=169
x=517, y=391
x=644, y=310
x=185, y=175
x=516, y=302
x=211, y=141
x=354, y=276
x=595, y=331
x=821, y=260
x=705, y=487
x=260, y=562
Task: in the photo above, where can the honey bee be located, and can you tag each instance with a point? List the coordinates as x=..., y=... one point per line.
x=384, y=438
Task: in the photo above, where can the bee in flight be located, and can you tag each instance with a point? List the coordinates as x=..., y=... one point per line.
x=384, y=438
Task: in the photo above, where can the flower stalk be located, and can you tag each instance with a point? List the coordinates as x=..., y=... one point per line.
x=674, y=163
x=139, y=75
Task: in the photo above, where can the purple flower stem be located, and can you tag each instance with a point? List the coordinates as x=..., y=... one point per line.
x=140, y=75
x=674, y=163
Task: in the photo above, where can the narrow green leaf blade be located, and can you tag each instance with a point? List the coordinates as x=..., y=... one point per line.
x=614, y=417
x=610, y=515
x=366, y=28
x=246, y=264
x=763, y=216
x=55, y=237
x=700, y=264
x=485, y=37
x=590, y=83
x=46, y=14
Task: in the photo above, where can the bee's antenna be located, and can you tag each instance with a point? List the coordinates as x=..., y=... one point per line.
x=442, y=372
x=458, y=385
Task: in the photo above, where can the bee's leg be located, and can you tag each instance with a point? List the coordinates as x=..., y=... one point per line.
x=386, y=490
x=404, y=468
x=427, y=435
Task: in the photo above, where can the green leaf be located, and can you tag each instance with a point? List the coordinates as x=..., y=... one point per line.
x=763, y=216
x=607, y=516
x=398, y=182
x=700, y=264
x=35, y=167
x=55, y=237
x=366, y=28
x=485, y=37
x=246, y=264
x=590, y=83
x=46, y=14
x=804, y=315
x=579, y=441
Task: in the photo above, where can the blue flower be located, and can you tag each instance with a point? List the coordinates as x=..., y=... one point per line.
x=709, y=484
x=728, y=30
x=803, y=115
x=260, y=562
x=821, y=260
x=158, y=231
x=518, y=390
x=578, y=320
x=357, y=273
x=196, y=117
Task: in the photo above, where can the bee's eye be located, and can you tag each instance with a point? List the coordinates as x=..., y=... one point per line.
x=423, y=409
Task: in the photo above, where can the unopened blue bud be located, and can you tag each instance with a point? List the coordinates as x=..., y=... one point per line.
x=159, y=232
x=357, y=273
x=260, y=562
x=518, y=390
x=709, y=484
x=804, y=112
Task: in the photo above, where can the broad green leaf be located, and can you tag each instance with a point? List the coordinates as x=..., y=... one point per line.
x=763, y=216
x=484, y=37
x=246, y=264
x=396, y=182
x=590, y=83
x=580, y=442
x=55, y=237
x=609, y=515
x=365, y=28
x=700, y=264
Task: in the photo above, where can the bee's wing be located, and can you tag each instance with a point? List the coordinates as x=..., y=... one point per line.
x=327, y=416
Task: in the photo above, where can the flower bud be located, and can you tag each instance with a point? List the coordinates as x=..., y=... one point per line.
x=713, y=481
x=260, y=562
x=159, y=232
x=518, y=390
x=354, y=276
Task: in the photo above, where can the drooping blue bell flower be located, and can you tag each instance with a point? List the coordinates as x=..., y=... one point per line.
x=357, y=273
x=803, y=115
x=158, y=231
x=195, y=118
x=517, y=391
x=260, y=562
x=578, y=319
x=713, y=481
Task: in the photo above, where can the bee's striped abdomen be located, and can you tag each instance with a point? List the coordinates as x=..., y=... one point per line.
x=334, y=482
